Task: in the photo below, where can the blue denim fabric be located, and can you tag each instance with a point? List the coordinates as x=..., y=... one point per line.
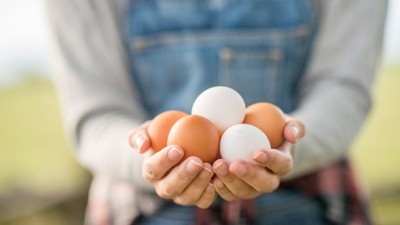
x=180, y=48
x=260, y=48
x=283, y=207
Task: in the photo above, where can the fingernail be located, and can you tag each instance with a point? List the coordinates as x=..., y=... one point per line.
x=206, y=174
x=139, y=140
x=218, y=183
x=295, y=130
x=241, y=170
x=193, y=166
x=261, y=157
x=221, y=168
x=175, y=154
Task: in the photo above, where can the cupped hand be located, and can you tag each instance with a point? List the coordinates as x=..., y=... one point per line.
x=186, y=183
x=246, y=180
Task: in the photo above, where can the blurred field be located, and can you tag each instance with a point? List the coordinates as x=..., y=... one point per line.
x=37, y=170
x=41, y=183
x=376, y=152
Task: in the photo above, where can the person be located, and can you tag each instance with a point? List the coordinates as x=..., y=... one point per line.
x=120, y=63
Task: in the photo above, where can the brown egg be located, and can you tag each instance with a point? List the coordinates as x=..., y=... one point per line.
x=197, y=136
x=269, y=118
x=160, y=126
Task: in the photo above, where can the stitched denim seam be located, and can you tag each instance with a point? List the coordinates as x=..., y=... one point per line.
x=231, y=37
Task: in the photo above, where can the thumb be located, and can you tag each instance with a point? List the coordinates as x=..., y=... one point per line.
x=294, y=130
x=139, y=139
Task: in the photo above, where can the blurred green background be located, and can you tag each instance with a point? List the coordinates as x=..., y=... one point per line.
x=42, y=184
x=40, y=181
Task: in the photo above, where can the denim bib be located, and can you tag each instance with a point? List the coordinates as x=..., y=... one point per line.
x=179, y=48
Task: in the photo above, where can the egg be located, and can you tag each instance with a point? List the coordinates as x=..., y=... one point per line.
x=160, y=127
x=223, y=106
x=269, y=118
x=240, y=141
x=197, y=136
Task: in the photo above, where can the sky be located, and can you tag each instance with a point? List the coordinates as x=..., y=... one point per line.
x=392, y=33
x=24, y=38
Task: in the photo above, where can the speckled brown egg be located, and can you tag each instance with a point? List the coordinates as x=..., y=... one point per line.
x=197, y=136
x=160, y=127
x=269, y=118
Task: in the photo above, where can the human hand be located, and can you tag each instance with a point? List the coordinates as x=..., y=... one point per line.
x=187, y=183
x=245, y=180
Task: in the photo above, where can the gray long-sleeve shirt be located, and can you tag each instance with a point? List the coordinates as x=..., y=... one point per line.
x=100, y=106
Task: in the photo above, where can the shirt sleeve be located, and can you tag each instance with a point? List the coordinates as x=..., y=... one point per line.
x=335, y=94
x=99, y=105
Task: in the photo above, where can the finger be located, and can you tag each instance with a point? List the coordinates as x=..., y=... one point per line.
x=157, y=165
x=256, y=176
x=139, y=139
x=207, y=197
x=195, y=189
x=236, y=185
x=279, y=162
x=294, y=130
x=286, y=147
x=223, y=191
x=178, y=178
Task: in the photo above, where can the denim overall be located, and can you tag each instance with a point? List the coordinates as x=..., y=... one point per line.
x=179, y=48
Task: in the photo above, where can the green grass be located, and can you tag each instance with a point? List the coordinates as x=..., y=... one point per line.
x=35, y=155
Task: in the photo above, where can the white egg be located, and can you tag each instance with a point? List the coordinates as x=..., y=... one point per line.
x=241, y=141
x=223, y=106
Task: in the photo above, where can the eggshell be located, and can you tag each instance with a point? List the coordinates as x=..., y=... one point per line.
x=269, y=118
x=160, y=126
x=240, y=141
x=197, y=136
x=223, y=106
